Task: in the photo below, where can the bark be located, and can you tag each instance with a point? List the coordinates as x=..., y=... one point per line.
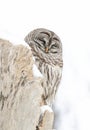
x=20, y=92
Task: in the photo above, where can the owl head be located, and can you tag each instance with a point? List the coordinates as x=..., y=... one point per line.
x=45, y=44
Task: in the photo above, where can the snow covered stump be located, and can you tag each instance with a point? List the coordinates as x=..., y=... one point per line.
x=20, y=91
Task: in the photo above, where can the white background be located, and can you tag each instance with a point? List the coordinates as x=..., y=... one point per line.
x=70, y=19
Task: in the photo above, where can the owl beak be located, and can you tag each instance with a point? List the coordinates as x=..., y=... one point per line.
x=46, y=49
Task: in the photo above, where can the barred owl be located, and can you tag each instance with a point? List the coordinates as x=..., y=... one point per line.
x=47, y=49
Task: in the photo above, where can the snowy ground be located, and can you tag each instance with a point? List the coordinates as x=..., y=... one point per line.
x=71, y=21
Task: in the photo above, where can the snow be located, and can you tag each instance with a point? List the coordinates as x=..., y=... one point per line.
x=46, y=108
x=71, y=21
x=36, y=72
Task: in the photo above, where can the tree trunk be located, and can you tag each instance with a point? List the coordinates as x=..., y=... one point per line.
x=20, y=92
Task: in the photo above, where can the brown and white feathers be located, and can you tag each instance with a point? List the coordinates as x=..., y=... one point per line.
x=46, y=48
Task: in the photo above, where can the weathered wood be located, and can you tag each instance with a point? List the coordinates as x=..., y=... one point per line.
x=20, y=92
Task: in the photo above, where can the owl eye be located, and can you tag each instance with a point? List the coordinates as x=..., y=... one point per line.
x=54, y=46
x=42, y=40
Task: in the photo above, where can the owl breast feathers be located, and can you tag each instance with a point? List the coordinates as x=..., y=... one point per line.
x=46, y=47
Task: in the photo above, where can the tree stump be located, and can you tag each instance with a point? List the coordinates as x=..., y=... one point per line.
x=20, y=91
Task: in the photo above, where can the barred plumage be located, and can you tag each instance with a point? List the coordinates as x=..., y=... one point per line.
x=47, y=50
